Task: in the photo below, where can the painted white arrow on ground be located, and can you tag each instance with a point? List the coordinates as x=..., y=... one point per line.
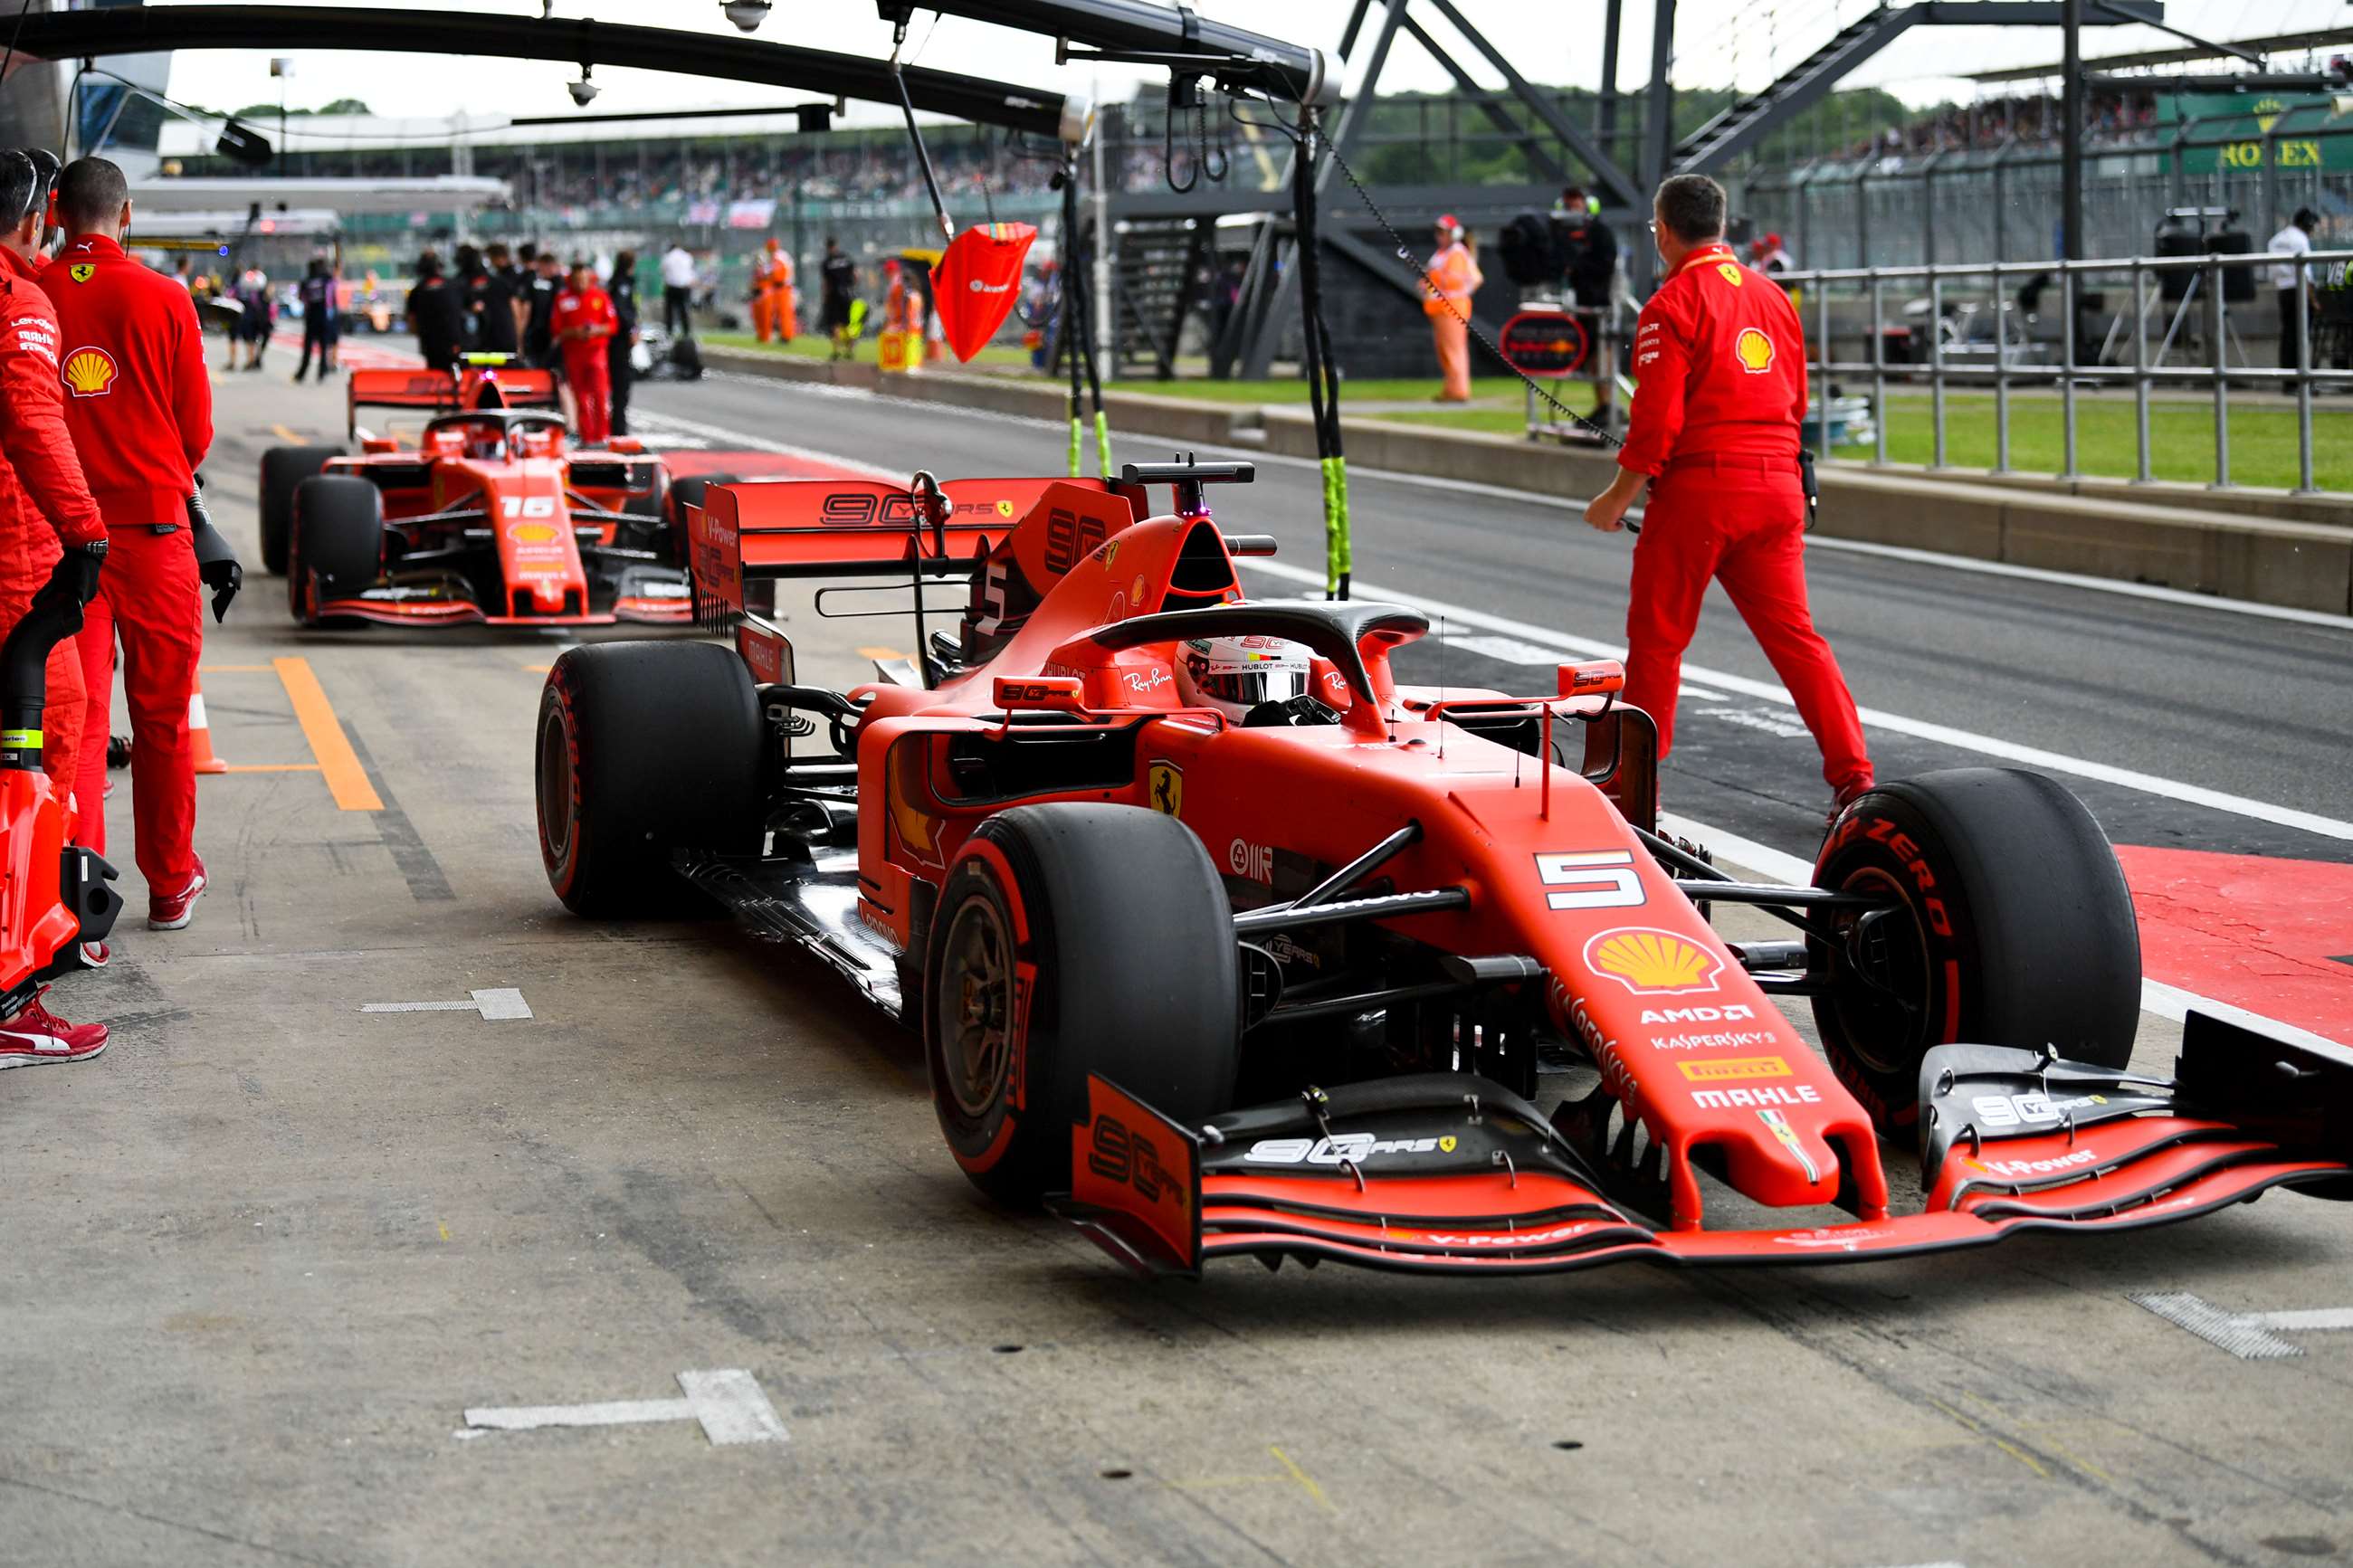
x=2250, y=1336
x=731, y=1404
x=499, y=1003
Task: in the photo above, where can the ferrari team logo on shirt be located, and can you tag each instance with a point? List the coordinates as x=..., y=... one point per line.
x=1754, y=350
x=90, y=372
x=1730, y=273
x=82, y=271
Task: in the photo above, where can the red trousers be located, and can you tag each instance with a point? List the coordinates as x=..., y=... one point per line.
x=591, y=379
x=1741, y=521
x=149, y=597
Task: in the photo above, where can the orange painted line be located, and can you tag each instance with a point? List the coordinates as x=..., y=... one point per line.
x=232, y=669
x=271, y=768
x=346, y=780
x=880, y=653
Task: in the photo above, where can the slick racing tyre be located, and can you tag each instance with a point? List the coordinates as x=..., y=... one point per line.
x=337, y=540
x=2013, y=926
x=1071, y=939
x=282, y=469
x=644, y=748
x=686, y=492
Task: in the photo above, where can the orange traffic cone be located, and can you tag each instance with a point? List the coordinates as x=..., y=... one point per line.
x=200, y=731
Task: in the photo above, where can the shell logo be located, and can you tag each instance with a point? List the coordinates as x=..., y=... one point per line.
x=1754, y=350
x=532, y=533
x=1649, y=962
x=89, y=372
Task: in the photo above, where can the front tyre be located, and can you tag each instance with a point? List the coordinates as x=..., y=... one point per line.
x=282, y=469
x=2013, y=926
x=1069, y=939
x=644, y=749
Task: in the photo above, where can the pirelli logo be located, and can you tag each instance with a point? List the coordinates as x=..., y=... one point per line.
x=1731, y=1067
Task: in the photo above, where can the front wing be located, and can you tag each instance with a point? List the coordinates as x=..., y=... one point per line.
x=1444, y=1173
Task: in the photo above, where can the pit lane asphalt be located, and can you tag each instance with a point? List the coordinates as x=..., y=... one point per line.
x=265, y=1251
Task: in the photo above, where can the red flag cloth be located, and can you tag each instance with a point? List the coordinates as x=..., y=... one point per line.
x=977, y=283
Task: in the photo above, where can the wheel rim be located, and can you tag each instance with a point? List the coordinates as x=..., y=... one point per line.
x=556, y=786
x=975, y=1008
x=1884, y=1006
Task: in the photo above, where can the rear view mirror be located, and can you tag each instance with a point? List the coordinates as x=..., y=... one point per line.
x=1593, y=678
x=1049, y=693
x=977, y=283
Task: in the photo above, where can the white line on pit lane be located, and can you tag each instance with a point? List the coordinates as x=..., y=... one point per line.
x=730, y=1403
x=1504, y=493
x=497, y=1005
x=2250, y=1336
x=1964, y=740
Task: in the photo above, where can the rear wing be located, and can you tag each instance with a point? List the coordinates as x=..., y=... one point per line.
x=865, y=528
x=473, y=386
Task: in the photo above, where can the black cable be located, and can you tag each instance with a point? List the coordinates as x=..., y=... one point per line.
x=1406, y=256
x=14, y=34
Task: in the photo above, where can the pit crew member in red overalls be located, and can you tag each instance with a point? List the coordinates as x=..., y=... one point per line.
x=584, y=322
x=141, y=411
x=1720, y=373
x=45, y=510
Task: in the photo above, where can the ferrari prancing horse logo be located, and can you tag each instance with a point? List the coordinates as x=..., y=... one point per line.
x=82, y=271
x=1164, y=788
x=1754, y=350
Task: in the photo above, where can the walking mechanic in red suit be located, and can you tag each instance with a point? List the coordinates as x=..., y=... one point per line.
x=1720, y=372
x=141, y=412
x=583, y=323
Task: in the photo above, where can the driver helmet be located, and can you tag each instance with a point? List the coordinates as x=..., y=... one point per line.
x=1234, y=675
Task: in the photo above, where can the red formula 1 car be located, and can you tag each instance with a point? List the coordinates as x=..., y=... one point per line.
x=54, y=894
x=490, y=516
x=1222, y=940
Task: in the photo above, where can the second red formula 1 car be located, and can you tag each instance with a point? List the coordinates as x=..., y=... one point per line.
x=490, y=516
x=1222, y=940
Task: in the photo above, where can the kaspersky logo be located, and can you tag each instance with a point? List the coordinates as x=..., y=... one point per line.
x=89, y=372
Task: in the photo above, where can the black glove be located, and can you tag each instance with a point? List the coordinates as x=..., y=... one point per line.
x=80, y=567
x=217, y=563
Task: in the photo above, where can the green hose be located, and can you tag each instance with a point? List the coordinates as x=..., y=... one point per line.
x=1337, y=557
x=1072, y=402
x=1103, y=445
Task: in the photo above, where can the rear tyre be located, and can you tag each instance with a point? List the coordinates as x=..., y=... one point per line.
x=1071, y=939
x=337, y=540
x=687, y=491
x=644, y=749
x=282, y=469
x=2013, y=928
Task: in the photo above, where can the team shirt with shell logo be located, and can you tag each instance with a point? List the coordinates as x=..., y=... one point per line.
x=1719, y=367
x=130, y=360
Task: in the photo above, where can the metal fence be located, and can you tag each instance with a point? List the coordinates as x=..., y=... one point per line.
x=1976, y=340
x=2003, y=203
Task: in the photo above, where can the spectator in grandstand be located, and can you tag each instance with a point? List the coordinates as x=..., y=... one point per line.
x=837, y=276
x=620, y=371
x=2295, y=238
x=434, y=315
x=677, y=290
x=323, y=321
x=258, y=310
x=545, y=282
